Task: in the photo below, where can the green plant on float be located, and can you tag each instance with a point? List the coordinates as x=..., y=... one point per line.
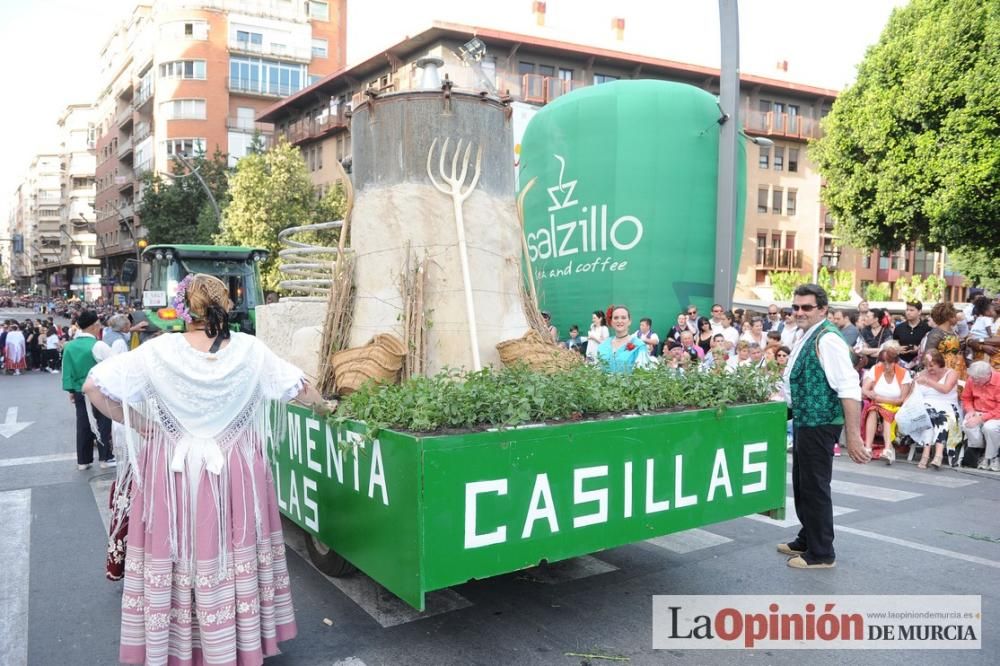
x=489, y=398
x=878, y=291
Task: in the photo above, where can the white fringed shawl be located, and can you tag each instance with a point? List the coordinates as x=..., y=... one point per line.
x=192, y=410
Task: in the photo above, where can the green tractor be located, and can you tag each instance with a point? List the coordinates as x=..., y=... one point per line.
x=238, y=267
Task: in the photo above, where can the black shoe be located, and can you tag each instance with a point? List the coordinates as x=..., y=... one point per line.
x=791, y=548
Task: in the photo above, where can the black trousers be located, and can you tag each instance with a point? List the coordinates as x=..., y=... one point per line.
x=812, y=470
x=85, y=437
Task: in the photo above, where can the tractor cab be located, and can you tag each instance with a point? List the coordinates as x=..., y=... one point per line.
x=238, y=267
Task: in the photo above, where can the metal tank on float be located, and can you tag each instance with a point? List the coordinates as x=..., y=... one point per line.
x=433, y=178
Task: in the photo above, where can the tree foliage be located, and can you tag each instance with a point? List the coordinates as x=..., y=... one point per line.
x=270, y=192
x=177, y=210
x=980, y=265
x=878, y=291
x=838, y=285
x=916, y=288
x=911, y=151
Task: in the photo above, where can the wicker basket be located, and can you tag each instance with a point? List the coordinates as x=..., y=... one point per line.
x=379, y=360
x=536, y=353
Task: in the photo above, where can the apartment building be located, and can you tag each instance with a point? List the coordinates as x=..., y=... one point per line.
x=180, y=78
x=783, y=211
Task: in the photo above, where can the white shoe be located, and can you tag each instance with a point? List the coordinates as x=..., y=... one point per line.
x=83, y=468
x=17, y=372
x=983, y=463
x=995, y=465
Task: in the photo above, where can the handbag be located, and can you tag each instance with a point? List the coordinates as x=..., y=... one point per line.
x=912, y=417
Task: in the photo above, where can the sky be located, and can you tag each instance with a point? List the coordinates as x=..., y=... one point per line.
x=58, y=41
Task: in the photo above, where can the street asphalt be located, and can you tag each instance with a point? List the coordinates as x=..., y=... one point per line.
x=901, y=531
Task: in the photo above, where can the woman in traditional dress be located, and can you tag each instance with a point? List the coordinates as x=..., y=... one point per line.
x=15, y=351
x=622, y=351
x=885, y=388
x=205, y=575
x=943, y=338
x=936, y=386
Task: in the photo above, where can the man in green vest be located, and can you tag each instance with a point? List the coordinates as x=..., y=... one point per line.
x=78, y=359
x=824, y=392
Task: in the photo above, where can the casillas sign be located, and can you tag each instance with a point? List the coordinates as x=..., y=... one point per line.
x=623, y=208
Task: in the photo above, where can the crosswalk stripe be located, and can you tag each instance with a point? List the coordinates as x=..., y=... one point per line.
x=941, y=479
x=867, y=491
x=34, y=460
x=790, y=520
x=689, y=541
x=350, y=661
x=382, y=605
x=563, y=571
x=15, y=544
x=919, y=546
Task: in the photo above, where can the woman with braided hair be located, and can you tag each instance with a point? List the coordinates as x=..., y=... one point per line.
x=205, y=573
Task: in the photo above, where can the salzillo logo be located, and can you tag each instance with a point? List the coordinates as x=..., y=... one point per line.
x=581, y=230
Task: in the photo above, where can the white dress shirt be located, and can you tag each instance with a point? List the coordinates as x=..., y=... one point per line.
x=835, y=359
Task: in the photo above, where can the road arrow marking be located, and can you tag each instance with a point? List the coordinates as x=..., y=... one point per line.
x=11, y=427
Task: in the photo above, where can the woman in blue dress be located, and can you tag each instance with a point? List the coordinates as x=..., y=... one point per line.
x=623, y=351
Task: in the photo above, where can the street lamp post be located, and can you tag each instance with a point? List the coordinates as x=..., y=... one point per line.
x=729, y=95
x=124, y=225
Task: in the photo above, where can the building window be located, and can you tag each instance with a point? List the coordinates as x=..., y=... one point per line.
x=320, y=48
x=779, y=158
x=603, y=78
x=776, y=201
x=183, y=69
x=793, y=118
x=793, y=160
x=319, y=10
x=185, y=147
x=867, y=263
x=249, y=40
x=525, y=67
x=762, y=200
x=765, y=157
x=790, y=201
x=565, y=74
x=268, y=77
x=184, y=30
x=924, y=262
x=183, y=109
x=884, y=259
x=546, y=70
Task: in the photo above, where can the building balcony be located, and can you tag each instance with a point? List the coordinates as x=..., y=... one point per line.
x=125, y=149
x=783, y=125
x=143, y=95
x=257, y=87
x=142, y=168
x=249, y=126
x=314, y=128
x=779, y=259
x=123, y=118
x=271, y=50
x=142, y=130
x=125, y=179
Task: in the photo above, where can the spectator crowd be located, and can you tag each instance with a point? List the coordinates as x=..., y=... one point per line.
x=930, y=384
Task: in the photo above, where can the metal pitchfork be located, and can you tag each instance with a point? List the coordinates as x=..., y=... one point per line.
x=453, y=184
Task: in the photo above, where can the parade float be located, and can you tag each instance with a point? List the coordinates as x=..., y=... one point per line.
x=444, y=263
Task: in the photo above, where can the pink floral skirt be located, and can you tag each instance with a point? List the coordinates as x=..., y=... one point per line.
x=176, y=613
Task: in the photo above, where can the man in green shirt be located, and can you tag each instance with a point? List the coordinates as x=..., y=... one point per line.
x=78, y=359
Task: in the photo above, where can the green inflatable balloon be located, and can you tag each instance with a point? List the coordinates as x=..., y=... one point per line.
x=623, y=208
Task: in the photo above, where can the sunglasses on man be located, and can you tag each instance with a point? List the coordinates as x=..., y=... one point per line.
x=804, y=308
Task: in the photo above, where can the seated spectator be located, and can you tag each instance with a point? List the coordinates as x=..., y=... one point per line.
x=910, y=333
x=874, y=334
x=694, y=353
x=705, y=334
x=937, y=387
x=773, y=321
x=741, y=358
x=756, y=356
x=647, y=335
x=731, y=335
x=790, y=333
x=981, y=402
x=756, y=334
x=944, y=339
x=984, y=334
x=773, y=342
x=886, y=386
x=845, y=320
x=575, y=341
x=715, y=360
x=673, y=336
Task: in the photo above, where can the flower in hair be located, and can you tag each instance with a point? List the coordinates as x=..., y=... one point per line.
x=180, y=297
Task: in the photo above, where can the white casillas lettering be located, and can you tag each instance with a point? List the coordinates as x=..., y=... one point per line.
x=588, y=235
x=542, y=507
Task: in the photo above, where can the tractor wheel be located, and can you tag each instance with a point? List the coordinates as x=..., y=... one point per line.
x=326, y=559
